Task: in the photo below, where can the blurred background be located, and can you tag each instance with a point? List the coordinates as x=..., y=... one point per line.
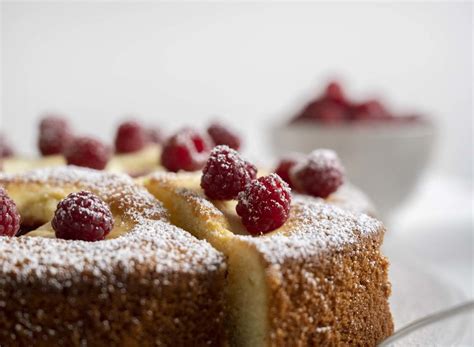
x=176, y=63
x=254, y=65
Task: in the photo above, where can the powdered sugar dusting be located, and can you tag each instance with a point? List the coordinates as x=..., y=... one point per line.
x=61, y=263
x=186, y=184
x=118, y=190
x=315, y=225
x=313, y=228
x=152, y=241
x=199, y=201
x=352, y=199
x=321, y=159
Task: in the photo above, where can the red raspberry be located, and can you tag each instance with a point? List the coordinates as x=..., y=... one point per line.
x=82, y=216
x=369, y=110
x=201, y=143
x=186, y=150
x=320, y=175
x=226, y=174
x=283, y=168
x=87, y=152
x=5, y=149
x=54, y=135
x=325, y=111
x=156, y=135
x=252, y=169
x=9, y=216
x=264, y=205
x=130, y=137
x=223, y=136
x=335, y=93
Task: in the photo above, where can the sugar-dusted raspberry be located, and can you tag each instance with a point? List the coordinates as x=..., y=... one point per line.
x=87, y=152
x=226, y=174
x=5, y=148
x=284, y=166
x=54, y=135
x=222, y=135
x=252, y=169
x=9, y=216
x=156, y=135
x=130, y=137
x=186, y=150
x=264, y=205
x=319, y=175
x=82, y=216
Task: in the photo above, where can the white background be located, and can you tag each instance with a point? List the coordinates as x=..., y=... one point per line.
x=181, y=63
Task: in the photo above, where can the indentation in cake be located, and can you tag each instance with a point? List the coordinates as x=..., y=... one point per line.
x=38, y=193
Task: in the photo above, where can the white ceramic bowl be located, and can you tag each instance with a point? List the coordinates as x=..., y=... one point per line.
x=384, y=159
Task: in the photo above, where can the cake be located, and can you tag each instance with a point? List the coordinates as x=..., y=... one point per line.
x=136, y=149
x=320, y=279
x=135, y=164
x=220, y=257
x=18, y=164
x=147, y=283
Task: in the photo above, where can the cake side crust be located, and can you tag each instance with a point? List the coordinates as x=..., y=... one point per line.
x=327, y=280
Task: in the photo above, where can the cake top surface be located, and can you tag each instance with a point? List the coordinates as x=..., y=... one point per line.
x=151, y=240
x=350, y=198
x=313, y=227
x=314, y=224
x=118, y=190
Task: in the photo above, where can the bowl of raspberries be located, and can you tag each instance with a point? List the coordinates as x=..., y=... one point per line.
x=384, y=153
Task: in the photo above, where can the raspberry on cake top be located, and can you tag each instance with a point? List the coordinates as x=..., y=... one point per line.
x=136, y=151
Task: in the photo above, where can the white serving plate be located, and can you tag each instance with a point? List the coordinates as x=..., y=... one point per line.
x=417, y=293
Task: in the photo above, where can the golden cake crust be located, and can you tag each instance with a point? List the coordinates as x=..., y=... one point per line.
x=153, y=285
